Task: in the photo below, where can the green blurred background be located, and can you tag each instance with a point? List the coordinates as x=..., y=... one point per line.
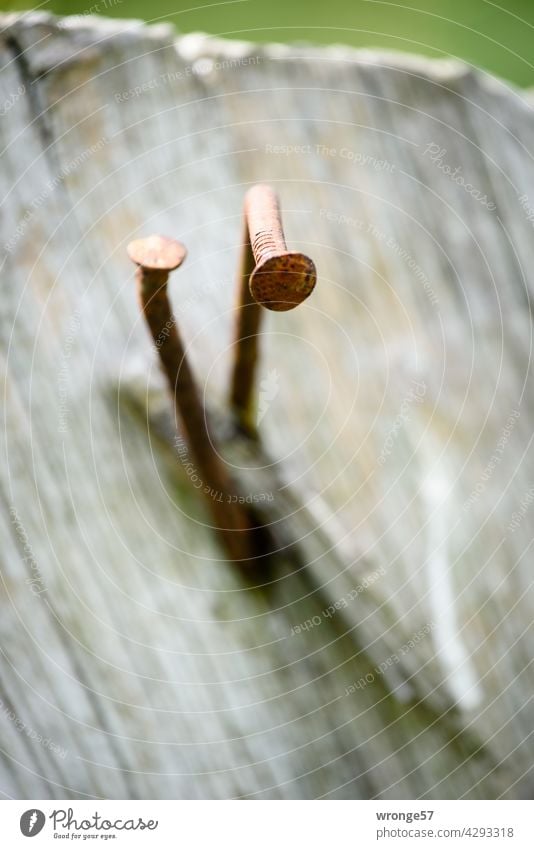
x=483, y=33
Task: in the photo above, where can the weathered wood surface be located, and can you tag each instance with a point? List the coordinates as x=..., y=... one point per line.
x=402, y=419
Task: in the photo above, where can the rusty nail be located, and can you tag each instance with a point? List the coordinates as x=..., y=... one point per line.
x=270, y=276
x=155, y=257
x=282, y=279
x=247, y=328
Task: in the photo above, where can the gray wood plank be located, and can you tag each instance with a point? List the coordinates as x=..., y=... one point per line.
x=148, y=659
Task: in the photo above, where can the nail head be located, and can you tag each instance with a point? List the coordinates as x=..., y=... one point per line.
x=157, y=253
x=284, y=281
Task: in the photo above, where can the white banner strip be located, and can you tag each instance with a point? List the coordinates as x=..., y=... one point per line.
x=269, y=824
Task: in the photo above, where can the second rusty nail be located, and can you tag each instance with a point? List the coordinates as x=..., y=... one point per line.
x=155, y=257
x=270, y=276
